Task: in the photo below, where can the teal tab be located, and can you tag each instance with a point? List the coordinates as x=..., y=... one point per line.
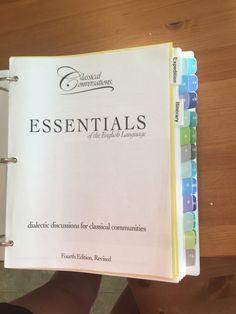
x=194, y=168
x=190, y=240
x=186, y=117
x=189, y=66
x=186, y=169
x=185, y=136
x=193, y=135
x=189, y=221
x=193, y=119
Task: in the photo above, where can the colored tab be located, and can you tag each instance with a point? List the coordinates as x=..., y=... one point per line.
x=185, y=98
x=190, y=100
x=189, y=221
x=189, y=83
x=189, y=66
x=190, y=239
x=185, y=136
x=189, y=186
x=193, y=151
x=186, y=117
x=190, y=257
x=194, y=168
x=188, y=152
x=193, y=135
x=188, y=203
x=194, y=185
x=192, y=118
x=194, y=202
x=186, y=169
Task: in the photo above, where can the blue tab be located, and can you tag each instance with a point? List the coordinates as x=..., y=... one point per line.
x=189, y=83
x=190, y=100
x=194, y=185
x=189, y=186
x=194, y=202
x=188, y=204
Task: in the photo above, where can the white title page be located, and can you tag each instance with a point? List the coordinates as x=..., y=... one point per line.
x=91, y=188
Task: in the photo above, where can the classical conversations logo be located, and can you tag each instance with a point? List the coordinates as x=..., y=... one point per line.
x=74, y=81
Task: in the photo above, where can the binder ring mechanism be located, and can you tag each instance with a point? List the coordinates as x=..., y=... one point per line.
x=8, y=160
x=9, y=79
x=7, y=243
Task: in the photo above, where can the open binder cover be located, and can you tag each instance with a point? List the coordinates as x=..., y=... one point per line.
x=101, y=163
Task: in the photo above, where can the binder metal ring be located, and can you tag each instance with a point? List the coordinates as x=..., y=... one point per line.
x=8, y=160
x=9, y=79
x=7, y=243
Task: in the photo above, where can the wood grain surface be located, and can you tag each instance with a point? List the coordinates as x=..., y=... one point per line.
x=32, y=27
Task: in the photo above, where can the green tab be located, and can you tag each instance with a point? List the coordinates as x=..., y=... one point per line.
x=190, y=239
x=185, y=136
x=193, y=135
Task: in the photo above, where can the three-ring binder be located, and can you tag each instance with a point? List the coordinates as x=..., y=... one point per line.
x=5, y=243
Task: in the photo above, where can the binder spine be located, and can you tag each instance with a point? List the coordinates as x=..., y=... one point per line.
x=6, y=160
x=185, y=81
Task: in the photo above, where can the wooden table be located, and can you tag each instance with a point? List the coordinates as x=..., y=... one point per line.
x=31, y=27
